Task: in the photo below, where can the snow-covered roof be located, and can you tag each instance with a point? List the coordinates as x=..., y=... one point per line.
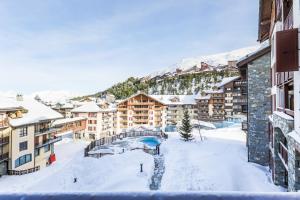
x=139, y=93
x=67, y=106
x=227, y=80
x=8, y=104
x=283, y=115
x=262, y=47
x=37, y=112
x=295, y=136
x=93, y=107
x=205, y=97
x=67, y=120
x=87, y=107
x=211, y=91
x=176, y=99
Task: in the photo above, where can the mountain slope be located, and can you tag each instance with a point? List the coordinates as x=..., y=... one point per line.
x=189, y=76
x=213, y=60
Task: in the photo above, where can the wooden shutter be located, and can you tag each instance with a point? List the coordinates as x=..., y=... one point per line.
x=287, y=51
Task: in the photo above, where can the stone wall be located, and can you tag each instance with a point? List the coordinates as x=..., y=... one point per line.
x=259, y=108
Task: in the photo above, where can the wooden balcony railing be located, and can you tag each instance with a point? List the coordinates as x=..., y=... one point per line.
x=4, y=140
x=4, y=156
x=4, y=123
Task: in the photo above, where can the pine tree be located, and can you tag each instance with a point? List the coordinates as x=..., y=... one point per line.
x=186, y=128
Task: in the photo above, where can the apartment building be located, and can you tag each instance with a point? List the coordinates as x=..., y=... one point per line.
x=7, y=109
x=141, y=110
x=31, y=140
x=203, y=104
x=74, y=127
x=235, y=100
x=64, y=109
x=176, y=105
x=278, y=24
x=100, y=121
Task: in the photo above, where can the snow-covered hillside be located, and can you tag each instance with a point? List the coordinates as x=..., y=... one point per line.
x=213, y=60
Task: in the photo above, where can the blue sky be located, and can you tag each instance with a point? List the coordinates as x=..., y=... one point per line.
x=86, y=46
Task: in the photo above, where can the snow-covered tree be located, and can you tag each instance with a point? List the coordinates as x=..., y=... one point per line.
x=186, y=128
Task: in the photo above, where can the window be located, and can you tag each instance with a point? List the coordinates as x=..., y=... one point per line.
x=46, y=148
x=23, y=146
x=23, y=131
x=37, y=152
x=23, y=160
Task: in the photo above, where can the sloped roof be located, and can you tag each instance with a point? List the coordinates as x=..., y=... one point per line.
x=87, y=107
x=7, y=104
x=37, y=112
x=227, y=80
x=139, y=93
x=67, y=120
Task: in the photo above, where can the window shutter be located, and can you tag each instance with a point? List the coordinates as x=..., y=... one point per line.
x=287, y=51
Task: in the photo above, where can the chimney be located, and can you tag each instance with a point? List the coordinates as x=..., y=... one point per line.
x=19, y=97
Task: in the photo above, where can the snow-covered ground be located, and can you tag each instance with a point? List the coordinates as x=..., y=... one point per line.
x=219, y=163
x=120, y=172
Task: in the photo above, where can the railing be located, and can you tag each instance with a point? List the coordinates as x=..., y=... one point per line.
x=283, y=152
x=4, y=140
x=4, y=156
x=154, y=196
x=288, y=22
x=111, y=139
x=21, y=172
x=45, y=131
x=47, y=142
x=4, y=123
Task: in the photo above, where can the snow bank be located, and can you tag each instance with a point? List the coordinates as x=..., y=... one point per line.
x=219, y=163
x=120, y=172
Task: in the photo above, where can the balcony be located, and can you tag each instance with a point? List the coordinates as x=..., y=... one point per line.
x=4, y=123
x=45, y=131
x=47, y=142
x=4, y=140
x=4, y=156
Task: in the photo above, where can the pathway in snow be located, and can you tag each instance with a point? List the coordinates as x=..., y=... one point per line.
x=159, y=170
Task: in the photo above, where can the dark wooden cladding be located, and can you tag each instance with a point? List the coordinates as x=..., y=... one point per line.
x=287, y=51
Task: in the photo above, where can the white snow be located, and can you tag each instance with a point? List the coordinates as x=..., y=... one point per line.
x=213, y=60
x=176, y=99
x=87, y=107
x=219, y=163
x=203, y=123
x=120, y=172
x=36, y=112
x=283, y=115
x=67, y=120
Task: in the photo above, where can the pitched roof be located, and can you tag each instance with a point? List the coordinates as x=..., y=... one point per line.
x=140, y=93
x=37, y=112
x=87, y=107
x=227, y=80
x=8, y=104
x=264, y=49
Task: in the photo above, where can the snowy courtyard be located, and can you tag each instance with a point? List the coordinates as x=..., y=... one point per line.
x=218, y=163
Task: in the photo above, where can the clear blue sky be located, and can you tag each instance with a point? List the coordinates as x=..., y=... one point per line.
x=87, y=45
